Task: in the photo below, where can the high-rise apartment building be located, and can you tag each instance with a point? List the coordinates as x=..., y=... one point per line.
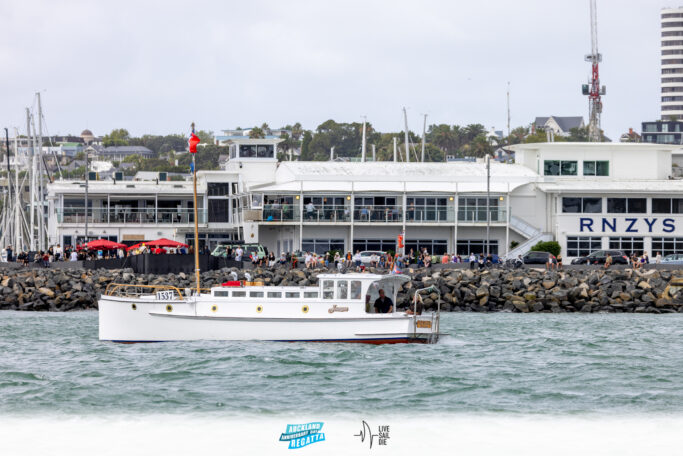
x=672, y=64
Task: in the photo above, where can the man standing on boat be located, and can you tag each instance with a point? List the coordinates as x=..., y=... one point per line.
x=383, y=304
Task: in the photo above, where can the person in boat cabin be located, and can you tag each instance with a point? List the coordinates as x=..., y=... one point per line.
x=383, y=304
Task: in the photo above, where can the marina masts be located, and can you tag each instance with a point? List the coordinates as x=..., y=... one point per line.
x=407, y=139
x=196, y=222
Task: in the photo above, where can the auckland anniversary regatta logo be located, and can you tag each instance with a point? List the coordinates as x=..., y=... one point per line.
x=300, y=435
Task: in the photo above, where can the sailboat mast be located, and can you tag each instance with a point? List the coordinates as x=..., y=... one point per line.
x=405, y=118
x=32, y=180
x=196, y=222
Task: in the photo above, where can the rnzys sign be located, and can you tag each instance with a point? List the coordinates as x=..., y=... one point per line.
x=626, y=225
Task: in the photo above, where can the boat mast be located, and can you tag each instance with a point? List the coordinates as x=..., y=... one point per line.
x=405, y=118
x=41, y=173
x=32, y=180
x=196, y=222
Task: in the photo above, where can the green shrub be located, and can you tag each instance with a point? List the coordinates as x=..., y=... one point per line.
x=513, y=244
x=550, y=246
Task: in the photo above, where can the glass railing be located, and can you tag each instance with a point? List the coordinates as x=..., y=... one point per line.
x=478, y=214
x=378, y=214
x=132, y=216
x=280, y=213
x=328, y=214
x=430, y=214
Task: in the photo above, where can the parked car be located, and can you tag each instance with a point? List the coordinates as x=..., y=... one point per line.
x=598, y=257
x=366, y=255
x=674, y=258
x=537, y=257
x=222, y=250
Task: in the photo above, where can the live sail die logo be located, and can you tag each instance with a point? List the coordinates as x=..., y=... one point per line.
x=365, y=434
x=301, y=435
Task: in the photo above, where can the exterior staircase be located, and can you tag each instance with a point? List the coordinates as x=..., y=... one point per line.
x=534, y=236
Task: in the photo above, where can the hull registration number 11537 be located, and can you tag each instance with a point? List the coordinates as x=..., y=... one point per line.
x=424, y=324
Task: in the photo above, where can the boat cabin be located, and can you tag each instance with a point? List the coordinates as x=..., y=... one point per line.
x=337, y=289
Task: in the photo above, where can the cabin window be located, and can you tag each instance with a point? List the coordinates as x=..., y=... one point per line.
x=292, y=294
x=328, y=289
x=342, y=289
x=310, y=294
x=239, y=294
x=221, y=294
x=355, y=289
x=255, y=294
x=274, y=294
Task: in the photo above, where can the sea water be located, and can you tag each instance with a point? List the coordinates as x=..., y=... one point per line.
x=523, y=383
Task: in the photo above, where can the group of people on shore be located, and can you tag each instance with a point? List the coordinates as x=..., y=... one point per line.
x=58, y=253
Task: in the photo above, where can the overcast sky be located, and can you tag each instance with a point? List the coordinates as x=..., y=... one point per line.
x=153, y=67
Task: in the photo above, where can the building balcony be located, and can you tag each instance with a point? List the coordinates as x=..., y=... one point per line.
x=477, y=215
x=105, y=216
x=378, y=214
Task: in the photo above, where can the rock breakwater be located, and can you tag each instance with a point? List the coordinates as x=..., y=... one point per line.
x=523, y=290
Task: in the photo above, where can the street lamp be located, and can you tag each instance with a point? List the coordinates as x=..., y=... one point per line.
x=488, y=203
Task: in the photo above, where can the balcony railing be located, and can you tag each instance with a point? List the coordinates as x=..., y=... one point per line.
x=280, y=213
x=478, y=214
x=380, y=214
x=328, y=214
x=131, y=216
x=430, y=214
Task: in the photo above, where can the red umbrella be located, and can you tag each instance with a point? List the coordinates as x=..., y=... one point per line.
x=163, y=242
x=136, y=246
x=104, y=244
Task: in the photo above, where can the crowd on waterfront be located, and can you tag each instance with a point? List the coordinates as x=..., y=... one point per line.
x=57, y=253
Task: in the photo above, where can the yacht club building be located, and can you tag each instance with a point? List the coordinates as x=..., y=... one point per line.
x=587, y=196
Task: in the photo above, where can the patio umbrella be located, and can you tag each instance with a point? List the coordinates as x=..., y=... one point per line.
x=163, y=242
x=136, y=246
x=104, y=244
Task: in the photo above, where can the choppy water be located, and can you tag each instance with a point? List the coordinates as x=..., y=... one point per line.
x=491, y=363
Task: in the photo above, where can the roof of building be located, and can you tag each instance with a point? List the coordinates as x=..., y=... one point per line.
x=580, y=186
x=126, y=150
x=86, y=132
x=565, y=123
x=391, y=177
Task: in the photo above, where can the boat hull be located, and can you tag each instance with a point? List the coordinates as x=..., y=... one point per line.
x=131, y=321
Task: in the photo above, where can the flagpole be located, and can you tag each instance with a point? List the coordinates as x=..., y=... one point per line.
x=196, y=222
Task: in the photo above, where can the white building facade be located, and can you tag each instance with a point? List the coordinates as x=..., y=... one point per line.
x=587, y=196
x=672, y=63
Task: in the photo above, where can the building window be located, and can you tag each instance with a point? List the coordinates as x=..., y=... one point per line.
x=476, y=246
x=578, y=246
x=66, y=241
x=382, y=245
x=433, y=246
x=560, y=168
x=430, y=209
x=218, y=188
x=571, y=205
x=626, y=205
x=667, y=205
x=471, y=209
x=596, y=168
x=667, y=245
x=630, y=245
x=322, y=246
x=257, y=151
x=585, y=205
x=218, y=211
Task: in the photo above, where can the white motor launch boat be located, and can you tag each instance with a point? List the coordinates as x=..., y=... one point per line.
x=340, y=309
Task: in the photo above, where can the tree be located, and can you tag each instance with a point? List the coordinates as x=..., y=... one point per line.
x=257, y=133
x=117, y=137
x=306, y=145
x=206, y=137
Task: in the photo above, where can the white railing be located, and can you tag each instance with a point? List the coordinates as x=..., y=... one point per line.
x=523, y=228
x=525, y=246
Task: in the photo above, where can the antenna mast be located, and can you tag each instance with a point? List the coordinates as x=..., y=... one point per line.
x=509, y=132
x=593, y=89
